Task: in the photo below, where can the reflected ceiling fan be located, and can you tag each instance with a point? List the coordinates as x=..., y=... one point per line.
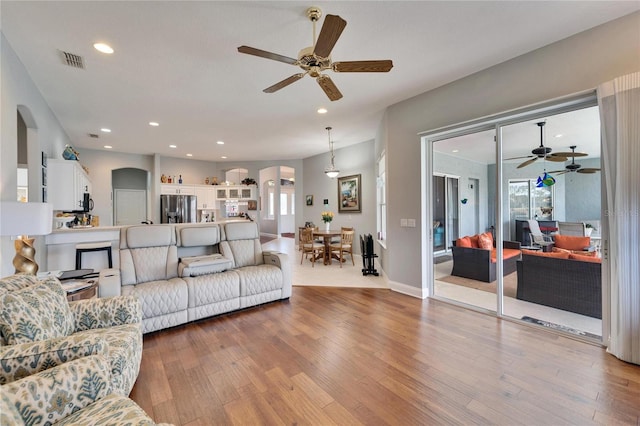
x=315, y=59
x=573, y=167
x=540, y=152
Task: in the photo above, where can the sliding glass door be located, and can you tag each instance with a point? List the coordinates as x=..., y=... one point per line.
x=495, y=183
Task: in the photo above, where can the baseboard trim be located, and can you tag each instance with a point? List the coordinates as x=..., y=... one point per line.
x=420, y=293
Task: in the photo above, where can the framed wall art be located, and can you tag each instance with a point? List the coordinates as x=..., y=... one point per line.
x=309, y=199
x=349, y=199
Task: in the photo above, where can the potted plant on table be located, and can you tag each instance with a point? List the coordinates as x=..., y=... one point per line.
x=327, y=217
x=589, y=228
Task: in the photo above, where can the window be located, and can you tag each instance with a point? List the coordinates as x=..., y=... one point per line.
x=283, y=204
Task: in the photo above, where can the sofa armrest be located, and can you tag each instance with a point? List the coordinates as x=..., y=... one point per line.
x=60, y=391
x=102, y=313
x=109, y=284
x=281, y=260
x=18, y=361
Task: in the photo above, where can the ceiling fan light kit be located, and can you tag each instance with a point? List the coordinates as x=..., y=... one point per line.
x=316, y=59
x=331, y=171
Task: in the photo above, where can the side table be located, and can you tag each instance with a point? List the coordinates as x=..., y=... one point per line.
x=81, y=289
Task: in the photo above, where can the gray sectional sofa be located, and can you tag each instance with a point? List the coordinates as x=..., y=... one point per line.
x=182, y=273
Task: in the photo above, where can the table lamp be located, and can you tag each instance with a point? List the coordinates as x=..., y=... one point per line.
x=21, y=220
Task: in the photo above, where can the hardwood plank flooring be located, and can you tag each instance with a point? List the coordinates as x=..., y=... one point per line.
x=335, y=356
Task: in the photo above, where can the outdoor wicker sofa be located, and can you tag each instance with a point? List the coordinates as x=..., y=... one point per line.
x=480, y=264
x=567, y=284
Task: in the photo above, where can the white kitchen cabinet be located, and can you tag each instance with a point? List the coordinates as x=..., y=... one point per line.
x=67, y=182
x=206, y=197
x=242, y=192
x=171, y=189
x=221, y=194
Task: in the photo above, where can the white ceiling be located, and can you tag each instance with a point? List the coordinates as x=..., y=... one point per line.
x=177, y=63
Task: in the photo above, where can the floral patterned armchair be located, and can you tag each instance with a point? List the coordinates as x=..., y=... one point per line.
x=39, y=330
x=77, y=392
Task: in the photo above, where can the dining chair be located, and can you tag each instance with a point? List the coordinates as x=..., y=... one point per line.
x=309, y=246
x=344, y=246
x=342, y=228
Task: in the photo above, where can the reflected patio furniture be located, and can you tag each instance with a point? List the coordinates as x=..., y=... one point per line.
x=344, y=246
x=309, y=246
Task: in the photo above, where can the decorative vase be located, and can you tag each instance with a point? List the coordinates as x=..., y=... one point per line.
x=327, y=226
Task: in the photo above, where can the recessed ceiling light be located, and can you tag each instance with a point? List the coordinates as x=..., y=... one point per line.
x=223, y=157
x=172, y=146
x=104, y=48
x=322, y=110
x=106, y=130
x=220, y=143
x=456, y=150
x=559, y=135
x=108, y=146
x=154, y=124
x=189, y=155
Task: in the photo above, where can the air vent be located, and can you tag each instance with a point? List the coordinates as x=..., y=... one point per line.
x=72, y=60
x=93, y=135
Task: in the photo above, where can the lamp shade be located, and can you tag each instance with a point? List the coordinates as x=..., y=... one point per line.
x=25, y=218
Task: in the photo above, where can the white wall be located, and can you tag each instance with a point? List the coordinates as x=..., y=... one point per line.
x=17, y=89
x=573, y=65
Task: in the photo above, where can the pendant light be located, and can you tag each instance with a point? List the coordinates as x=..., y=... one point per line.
x=331, y=171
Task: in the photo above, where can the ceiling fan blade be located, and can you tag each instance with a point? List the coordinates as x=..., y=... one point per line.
x=284, y=83
x=264, y=54
x=569, y=154
x=329, y=88
x=363, y=66
x=588, y=170
x=559, y=172
x=331, y=29
x=526, y=163
x=556, y=158
x=519, y=158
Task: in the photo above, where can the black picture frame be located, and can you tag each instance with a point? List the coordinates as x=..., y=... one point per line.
x=309, y=200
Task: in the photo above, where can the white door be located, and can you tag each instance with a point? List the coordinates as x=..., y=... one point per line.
x=130, y=206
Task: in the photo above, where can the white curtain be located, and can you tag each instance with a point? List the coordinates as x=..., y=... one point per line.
x=619, y=102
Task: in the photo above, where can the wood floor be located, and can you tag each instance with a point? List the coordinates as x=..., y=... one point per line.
x=375, y=357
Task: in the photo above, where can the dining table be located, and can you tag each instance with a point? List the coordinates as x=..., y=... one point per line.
x=326, y=237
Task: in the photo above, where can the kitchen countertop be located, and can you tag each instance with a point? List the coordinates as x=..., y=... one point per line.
x=117, y=227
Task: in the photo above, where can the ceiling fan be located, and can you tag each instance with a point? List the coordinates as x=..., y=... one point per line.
x=573, y=167
x=315, y=59
x=540, y=152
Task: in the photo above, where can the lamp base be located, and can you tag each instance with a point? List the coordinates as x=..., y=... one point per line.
x=24, y=261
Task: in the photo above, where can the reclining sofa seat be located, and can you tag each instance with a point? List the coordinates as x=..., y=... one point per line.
x=262, y=275
x=149, y=271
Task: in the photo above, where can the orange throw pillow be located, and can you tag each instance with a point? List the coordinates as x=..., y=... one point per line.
x=474, y=241
x=485, y=241
x=582, y=258
x=570, y=242
x=464, y=242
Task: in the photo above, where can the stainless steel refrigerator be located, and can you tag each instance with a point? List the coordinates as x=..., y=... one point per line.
x=177, y=208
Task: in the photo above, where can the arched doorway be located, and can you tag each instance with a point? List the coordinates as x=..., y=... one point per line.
x=130, y=196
